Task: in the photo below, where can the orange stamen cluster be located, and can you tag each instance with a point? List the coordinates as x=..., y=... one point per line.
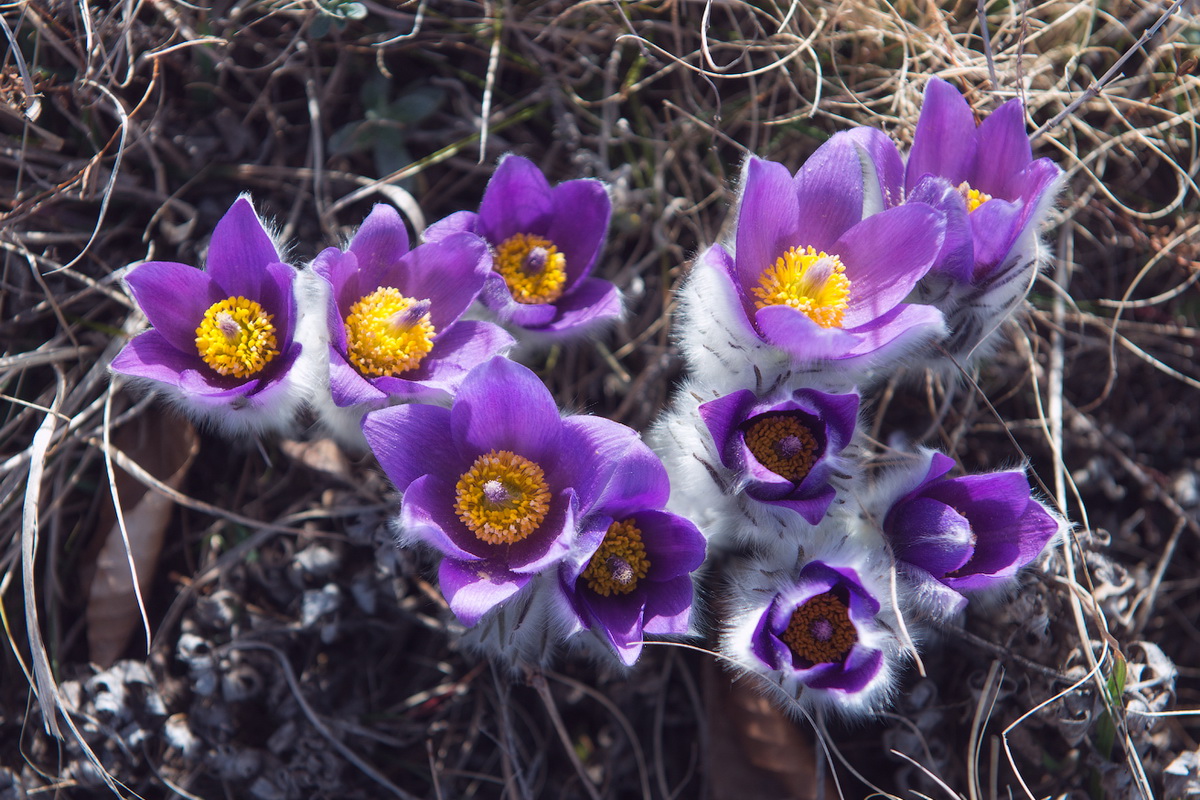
x=502, y=498
x=620, y=562
x=820, y=631
x=782, y=444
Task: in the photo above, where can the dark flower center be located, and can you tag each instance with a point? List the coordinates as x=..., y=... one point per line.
x=782, y=443
x=820, y=631
x=620, y=562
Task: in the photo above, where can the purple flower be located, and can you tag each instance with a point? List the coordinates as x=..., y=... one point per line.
x=820, y=631
x=783, y=452
x=956, y=535
x=393, y=313
x=991, y=169
x=815, y=279
x=498, y=482
x=631, y=575
x=544, y=242
x=223, y=344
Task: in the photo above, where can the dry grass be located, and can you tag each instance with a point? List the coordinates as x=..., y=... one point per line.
x=127, y=129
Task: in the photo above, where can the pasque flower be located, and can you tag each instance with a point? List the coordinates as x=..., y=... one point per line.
x=819, y=632
x=632, y=573
x=222, y=346
x=810, y=277
x=991, y=167
x=499, y=482
x=545, y=242
x=393, y=314
x=783, y=450
x=955, y=536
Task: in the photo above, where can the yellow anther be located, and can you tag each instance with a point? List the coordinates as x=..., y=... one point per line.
x=814, y=283
x=502, y=498
x=388, y=333
x=533, y=268
x=620, y=562
x=236, y=337
x=974, y=197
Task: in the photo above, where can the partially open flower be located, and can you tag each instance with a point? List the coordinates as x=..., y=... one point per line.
x=545, y=242
x=991, y=167
x=810, y=277
x=393, y=314
x=631, y=574
x=819, y=634
x=961, y=535
x=783, y=450
x=222, y=346
x=498, y=482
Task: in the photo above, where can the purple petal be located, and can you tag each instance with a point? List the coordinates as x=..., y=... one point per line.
x=885, y=255
x=1003, y=151
x=860, y=667
x=674, y=545
x=805, y=340
x=768, y=219
x=881, y=157
x=618, y=620
x=957, y=256
x=502, y=405
x=593, y=301
x=150, y=355
x=944, y=143
x=995, y=226
x=449, y=273
x=278, y=299
x=410, y=441
x=931, y=535
x=812, y=507
x=829, y=190
x=474, y=588
x=990, y=501
x=516, y=200
x=347, y=386
x=669, y=607
x=499, y=300
x=174, y=298
x=722, y=417
x=427, y=514
x=458, y=222
x=551, y=543
x=340, y=271
x=379, y=244
x=240, y=251
x=904, y=327
x=581, y=213
x=612, y=470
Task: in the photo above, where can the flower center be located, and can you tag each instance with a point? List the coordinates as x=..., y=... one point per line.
x=814, y=283
x=388, y=333
x=820, y=631
x=236, y=337
x=974, y=197
x=502, y=498
x=783, y=444
x=533, y=268
x=620, y=562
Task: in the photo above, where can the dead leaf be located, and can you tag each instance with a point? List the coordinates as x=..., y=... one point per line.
x=165, y=446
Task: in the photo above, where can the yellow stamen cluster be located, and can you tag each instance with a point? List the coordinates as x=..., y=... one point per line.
x=502, y=498
x=533, y=268
x=820, y=631
x=782, y=444
x=385, y=335
x=620, y=562
x=236, y=337
x=814, y=283
x=974, y=197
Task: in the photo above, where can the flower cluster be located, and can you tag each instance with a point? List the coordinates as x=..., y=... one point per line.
x=857, y=263
x=545, y=526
